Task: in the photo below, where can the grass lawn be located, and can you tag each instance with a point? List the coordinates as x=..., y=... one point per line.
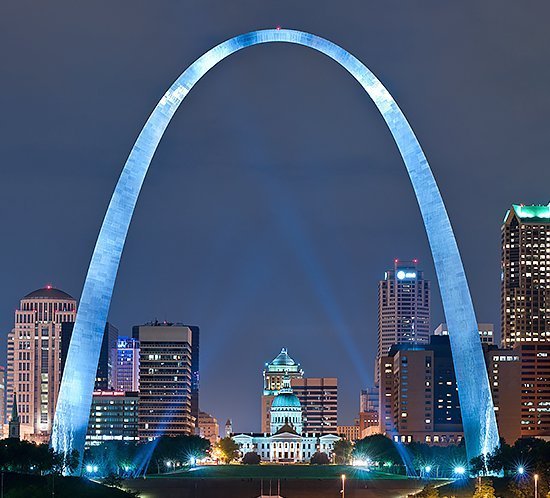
x=266, y=471
x=34, y=486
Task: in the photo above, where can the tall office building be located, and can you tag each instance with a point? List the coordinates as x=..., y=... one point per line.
x=486, y=332
x=403, y=308
x=165, y=374
x=195, y=375
x=369, y=410
x=2, y=399
x=419, y=395
x=319, y=399
x=105, y=367
x=525, y=303
x=274, y=372
x=34, y=359
x=126, y=365
x=209, y=428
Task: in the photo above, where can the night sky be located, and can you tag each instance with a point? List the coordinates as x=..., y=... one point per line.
x=277, y=197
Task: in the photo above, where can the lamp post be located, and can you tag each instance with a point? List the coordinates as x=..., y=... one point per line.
x=343, y=486
x=536, y=477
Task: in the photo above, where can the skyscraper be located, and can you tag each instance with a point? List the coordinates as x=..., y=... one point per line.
x=525, y=303
x=126, y=365
x=273, y=374
x=403, y=308
x=34, y=359
x=164, y=380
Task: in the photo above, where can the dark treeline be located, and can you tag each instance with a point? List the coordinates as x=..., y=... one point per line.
x=30, y=458
x=163, y=454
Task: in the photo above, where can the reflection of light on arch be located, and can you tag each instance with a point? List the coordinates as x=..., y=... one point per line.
x=73, y=406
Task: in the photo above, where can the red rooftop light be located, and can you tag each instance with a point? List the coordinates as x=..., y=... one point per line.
x=278, y=27
x=49, y=286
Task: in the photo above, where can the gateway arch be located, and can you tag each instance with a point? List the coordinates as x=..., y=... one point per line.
x=75, y=396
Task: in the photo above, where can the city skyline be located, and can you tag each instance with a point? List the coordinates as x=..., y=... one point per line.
x=223, y=317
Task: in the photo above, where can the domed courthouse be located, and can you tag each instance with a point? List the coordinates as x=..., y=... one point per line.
x=286, y=443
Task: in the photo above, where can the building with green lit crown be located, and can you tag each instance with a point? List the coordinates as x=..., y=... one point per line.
x=525, y=304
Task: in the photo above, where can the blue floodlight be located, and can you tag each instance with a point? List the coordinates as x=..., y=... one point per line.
x=521, y=470
x=75, y=394
x=428, y=469
x=459, y=470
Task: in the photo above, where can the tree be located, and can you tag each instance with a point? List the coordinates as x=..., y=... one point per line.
x=484, y=489
x=319, y=458
x=342, y=451
x=377, y=448
x=251, y=458
x=228, y=449
x=429, y=491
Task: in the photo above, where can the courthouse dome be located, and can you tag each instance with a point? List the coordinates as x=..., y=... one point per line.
x=286, y=400
x=283, y=359
x=48, y=292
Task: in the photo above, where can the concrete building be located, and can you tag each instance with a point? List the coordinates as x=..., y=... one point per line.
x=273, y=375
x=525, y=301
x=486, y=332
x=504, y=369
x=126, y=365
x=164, y=380
x=349, y=432
x=287, y=441
x=209, y=428
x=369, y=412
x=419, y=394
x=113, y=417
x=319, y=400
x=535, y=389
x=105, y=367
x=403, y=308
x=34, y=359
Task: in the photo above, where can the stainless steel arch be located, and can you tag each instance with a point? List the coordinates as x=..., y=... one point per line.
x=73, y=406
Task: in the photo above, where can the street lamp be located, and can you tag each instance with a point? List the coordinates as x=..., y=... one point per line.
x=536, y=476
x=343, y=485
x=521, y=470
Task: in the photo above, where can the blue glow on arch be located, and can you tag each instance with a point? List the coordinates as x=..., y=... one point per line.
x=75, y=396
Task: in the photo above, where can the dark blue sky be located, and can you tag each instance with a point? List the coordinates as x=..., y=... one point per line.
x=277, y=198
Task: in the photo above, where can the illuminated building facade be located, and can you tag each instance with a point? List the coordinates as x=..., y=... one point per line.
x=403, y=308
x=113, y=417
x=535, y=388
x=287, y=441
x=274, y=372
x=34, y=359
x=2, y=399
x=73, y=407
x=126, y=365
x=525, y=302
x=164, y=380
x=486, y=332
x=209, y=428
x=349, y=432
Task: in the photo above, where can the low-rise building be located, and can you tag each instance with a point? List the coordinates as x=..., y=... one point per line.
x=113, y=417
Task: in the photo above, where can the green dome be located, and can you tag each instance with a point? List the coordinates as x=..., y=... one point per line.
x=283, y=359
x=286, y=400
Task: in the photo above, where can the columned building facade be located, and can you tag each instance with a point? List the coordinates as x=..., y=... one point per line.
x=286, y=442
x=34, y=359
